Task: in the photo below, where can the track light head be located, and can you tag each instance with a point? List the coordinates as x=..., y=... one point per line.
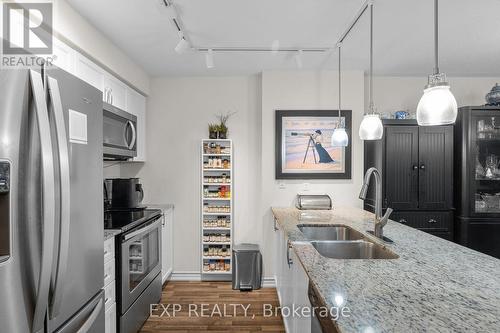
x=182, y=46
x=209, y=59
x=298, y=59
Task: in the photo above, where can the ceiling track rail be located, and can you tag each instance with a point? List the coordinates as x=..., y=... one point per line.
x=351, y=26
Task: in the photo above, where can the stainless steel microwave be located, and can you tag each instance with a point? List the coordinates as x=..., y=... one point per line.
x=119, y=133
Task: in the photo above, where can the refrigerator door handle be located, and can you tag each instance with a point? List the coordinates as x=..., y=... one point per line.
x=57, y=282
x=48, y=199
x=90, y=321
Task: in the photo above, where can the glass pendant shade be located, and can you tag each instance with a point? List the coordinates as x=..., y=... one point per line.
x=339, y=137
x=437, y=107
x=371, y=127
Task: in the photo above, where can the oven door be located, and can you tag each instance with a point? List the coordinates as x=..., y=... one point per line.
x=119, y=133
x=140, y=261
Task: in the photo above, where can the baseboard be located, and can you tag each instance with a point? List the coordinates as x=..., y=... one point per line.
x=268, y=282
x=167, y=276
x=185, y=276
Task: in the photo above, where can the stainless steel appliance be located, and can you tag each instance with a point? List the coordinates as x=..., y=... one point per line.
x=51, y=243
x=138, y=264
x=119, y=133
x=314, y=202
x=122, y=193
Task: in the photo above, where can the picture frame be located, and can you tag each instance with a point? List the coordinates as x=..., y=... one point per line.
x=302, y=145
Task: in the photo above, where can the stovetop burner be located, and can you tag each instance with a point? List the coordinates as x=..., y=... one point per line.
x=126, y=219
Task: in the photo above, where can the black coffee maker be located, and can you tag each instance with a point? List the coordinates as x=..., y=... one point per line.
x=123, y=194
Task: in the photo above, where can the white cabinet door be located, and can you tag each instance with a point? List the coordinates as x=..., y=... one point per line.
x=301, y=324
x=88, y=71
x=64, y=56
x=167, y=255
x=137, y=106
x=117, y=90
x=277, y=233
x=110, y=320
x=287, y=286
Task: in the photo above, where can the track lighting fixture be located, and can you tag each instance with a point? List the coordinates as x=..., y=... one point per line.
x=438, y=105
x=298, y=59
x=209, y=59
x=182, y=46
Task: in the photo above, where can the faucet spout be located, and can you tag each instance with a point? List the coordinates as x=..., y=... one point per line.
x=380, y=221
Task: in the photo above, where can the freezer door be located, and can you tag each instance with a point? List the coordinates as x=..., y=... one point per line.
x=90, y=319
x=78, y=267
x=25, y=146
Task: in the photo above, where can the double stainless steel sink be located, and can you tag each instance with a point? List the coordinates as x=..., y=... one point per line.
x=343, y=242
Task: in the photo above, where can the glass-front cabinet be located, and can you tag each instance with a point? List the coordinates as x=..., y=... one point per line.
x=477, y=178
x=485, y=156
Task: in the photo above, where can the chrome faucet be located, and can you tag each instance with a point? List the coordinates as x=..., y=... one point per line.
x=380, y=221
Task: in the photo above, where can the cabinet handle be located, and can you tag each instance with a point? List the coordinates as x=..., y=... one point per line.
x=431, y=221
x=422, y=167
x=415, y=167
x=288, y=259
x=403, y=221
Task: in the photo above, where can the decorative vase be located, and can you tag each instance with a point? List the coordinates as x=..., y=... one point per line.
x=212, y=134
x=493, y=97
x=222, y=135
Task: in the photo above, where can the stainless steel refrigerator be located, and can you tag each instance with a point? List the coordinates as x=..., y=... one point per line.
x=51, y=211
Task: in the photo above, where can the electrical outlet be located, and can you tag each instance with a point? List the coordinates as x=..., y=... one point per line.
x=281, y=185
x=305, y=187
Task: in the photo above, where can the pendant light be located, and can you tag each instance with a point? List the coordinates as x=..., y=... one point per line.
x=371, y=127
x=437, y=106
x=339, y=136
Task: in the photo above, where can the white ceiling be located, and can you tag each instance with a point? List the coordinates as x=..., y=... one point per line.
x=469, y=34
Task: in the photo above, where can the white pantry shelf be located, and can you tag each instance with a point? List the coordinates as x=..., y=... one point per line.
x=226, y=146
x=215, y=228
x=217, y=199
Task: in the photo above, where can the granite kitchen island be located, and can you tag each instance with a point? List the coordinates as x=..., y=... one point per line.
x=434, y=286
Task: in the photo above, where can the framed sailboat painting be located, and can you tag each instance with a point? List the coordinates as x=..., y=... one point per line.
x=303, y=145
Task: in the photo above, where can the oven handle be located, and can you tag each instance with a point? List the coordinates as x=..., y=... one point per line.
x=143, y=230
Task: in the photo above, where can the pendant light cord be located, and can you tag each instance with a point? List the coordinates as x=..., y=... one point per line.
x=436, y=37
x=371, y=105
x=340, y=91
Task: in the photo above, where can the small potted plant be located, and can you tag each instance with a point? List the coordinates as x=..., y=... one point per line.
x=213, y=129
x=222, y=127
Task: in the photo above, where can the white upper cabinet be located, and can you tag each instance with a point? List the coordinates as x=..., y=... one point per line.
x=116, y=92
x=89, y=72
x=64, y=56
x=137, y=106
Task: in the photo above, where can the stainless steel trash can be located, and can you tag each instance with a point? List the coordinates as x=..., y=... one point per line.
x=247, y=267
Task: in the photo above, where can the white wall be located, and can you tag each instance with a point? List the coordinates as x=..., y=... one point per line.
x=179, y=110
x=306, y=90
x=403, y=93
x=74, y=28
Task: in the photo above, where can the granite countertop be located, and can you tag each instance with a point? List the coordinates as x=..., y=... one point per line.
x=109, y=233
x=434, y=286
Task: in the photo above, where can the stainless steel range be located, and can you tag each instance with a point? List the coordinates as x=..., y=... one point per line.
x=138, y=263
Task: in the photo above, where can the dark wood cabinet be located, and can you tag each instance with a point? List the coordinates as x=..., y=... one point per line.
x=477, y=176
x=416, y=163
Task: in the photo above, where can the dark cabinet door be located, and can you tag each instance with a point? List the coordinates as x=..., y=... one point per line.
x=401, y=165
x=435, y=167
